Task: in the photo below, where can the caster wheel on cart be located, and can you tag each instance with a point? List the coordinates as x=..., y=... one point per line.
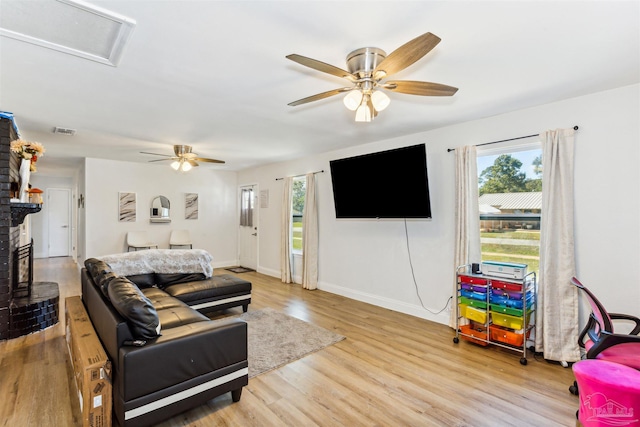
x=456, y=340
x=523, y=361
x=574, y=389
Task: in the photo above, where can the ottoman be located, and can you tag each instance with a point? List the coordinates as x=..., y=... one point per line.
x=609, y=393
x=215, y=293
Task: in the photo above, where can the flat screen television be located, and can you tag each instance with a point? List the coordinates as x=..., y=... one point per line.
x=387, y=184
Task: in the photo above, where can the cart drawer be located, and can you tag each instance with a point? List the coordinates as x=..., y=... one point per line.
x=473, y=295
x=473, y=302
x=506, y=310
x=474, y=335
x=475, y=314
x=510, y=294
x=509, y=286
x=474, y=288
x=508, y=321
x=462, y=309
x=507, y=336
x=473, y=280
x=508, y=302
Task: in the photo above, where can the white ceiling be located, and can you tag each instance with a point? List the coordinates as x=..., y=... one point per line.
x=213, y=74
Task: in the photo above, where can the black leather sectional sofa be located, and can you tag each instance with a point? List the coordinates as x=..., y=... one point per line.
x=167, y=357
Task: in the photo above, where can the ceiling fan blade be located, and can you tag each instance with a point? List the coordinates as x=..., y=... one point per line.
x=319, y=96
x=406, y=55
x=192, y=162
x=419, y=88
x=163, y=160
x=202, y=159
x=155, y=154
x=321, y=66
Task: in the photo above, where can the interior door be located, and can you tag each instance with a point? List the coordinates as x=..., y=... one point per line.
x=248, y=234
x=59, y=214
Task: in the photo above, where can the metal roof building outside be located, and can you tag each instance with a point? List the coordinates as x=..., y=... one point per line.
x=512, y=201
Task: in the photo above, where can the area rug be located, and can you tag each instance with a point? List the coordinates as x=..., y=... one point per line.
x=276, y=339
x=239, y=269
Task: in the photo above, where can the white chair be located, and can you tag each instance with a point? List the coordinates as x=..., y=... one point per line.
x=180, y=238
x=139, y=240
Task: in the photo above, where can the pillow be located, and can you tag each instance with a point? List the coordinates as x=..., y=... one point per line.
x=101, y=273
x=137, y=309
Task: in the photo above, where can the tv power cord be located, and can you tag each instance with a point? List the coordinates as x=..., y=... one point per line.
x=413, y=275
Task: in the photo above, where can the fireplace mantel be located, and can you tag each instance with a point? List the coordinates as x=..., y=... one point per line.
x=20, y=210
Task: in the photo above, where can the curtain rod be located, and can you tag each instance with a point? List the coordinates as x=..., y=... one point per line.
x=296, y=176
x=505, y=140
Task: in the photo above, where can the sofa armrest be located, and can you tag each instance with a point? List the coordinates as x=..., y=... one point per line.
x=180, y=354
x=111, y=327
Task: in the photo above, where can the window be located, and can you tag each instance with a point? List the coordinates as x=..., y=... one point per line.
x=510, y=189
x=297, y=205
x=246, y=207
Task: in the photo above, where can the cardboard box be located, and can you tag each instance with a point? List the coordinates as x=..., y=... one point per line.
x=91, y=367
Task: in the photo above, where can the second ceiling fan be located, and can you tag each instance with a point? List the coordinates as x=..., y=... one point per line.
x=368, y=67
x=184, y=159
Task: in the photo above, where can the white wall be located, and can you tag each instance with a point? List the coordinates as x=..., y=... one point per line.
x=215, y=230
x=368, y=260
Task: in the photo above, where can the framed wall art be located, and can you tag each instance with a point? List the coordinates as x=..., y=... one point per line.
x=191, y=206
x=127, y=207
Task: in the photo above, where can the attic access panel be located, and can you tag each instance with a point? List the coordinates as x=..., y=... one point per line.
x=68, y=26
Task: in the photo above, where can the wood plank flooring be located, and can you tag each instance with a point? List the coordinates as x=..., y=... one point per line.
x=392, y=370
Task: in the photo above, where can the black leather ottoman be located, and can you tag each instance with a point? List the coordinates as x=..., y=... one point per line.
x=216, y=293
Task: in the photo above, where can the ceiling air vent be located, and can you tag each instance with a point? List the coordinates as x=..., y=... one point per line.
x=64, y=131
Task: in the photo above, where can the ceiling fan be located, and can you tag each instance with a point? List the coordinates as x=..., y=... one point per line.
x=368, y=67
x=184, y=159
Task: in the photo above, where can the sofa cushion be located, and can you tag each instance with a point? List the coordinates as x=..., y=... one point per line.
x=161, y=300
x=143, y=280
x=174, y=317
x=167, y=279
x=101, y=273
x=138, y=311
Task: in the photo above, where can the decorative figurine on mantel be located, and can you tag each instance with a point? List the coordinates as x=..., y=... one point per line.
x=29, y=152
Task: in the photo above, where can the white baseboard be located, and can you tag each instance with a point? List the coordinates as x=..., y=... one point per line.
x=269, y=272
x=399, y=306
x=223, y=264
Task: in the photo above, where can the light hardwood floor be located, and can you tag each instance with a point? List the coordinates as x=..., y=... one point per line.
x=392, y=370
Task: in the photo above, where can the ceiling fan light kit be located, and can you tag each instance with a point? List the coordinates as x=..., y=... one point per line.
x=184, y=159
x=181, y=166
x=367, y=68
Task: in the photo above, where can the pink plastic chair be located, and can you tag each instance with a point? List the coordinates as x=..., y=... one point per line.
x=609, y=393
x=600, y=341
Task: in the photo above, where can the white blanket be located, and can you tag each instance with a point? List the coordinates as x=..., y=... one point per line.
x=163, y=261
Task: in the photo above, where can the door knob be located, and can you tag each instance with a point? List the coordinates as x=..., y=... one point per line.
x=64, y=226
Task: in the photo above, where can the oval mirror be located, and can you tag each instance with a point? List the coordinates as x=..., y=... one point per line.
x=160, y=208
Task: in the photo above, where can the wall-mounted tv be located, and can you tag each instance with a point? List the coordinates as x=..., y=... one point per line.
x=387, y=184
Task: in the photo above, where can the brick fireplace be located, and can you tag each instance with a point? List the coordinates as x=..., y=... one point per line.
x=19, y=314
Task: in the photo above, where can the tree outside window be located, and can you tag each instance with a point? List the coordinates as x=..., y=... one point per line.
x=510, y=189
x=297, y=202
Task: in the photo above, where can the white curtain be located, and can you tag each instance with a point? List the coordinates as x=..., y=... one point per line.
x=467, y=215
x=310, y=236
x=285, y=246
x=557, y=306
